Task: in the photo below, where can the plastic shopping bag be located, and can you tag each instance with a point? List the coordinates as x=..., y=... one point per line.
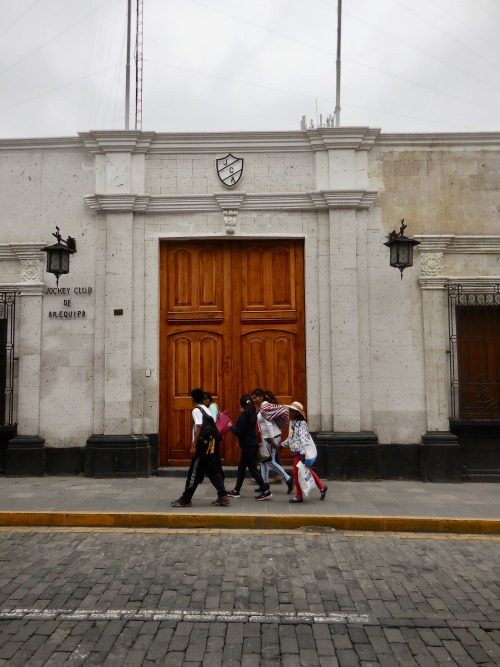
x=306, y=480
x=311, y=453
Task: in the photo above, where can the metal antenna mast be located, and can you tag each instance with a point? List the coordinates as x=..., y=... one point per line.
x=127, y=67
x=339, y=30
x=138, y=66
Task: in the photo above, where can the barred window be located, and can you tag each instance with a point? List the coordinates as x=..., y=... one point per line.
x=7, y=328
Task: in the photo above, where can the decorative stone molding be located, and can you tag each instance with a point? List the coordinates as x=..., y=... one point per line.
x=307, y=201
x=432, y=264
x=32, y=260
x=358, y=199
x=432, y=141
x=353, y=138
x=475, y=283
x=19, y=251
x=433, y=248
x=459, y=244
x=484, y=245
x=229, y=200
x=119, y=141
x=230, y=220
x=116, y=203
x=357, y=138
x=31, y=145
x=31, y=271
x=230, y=142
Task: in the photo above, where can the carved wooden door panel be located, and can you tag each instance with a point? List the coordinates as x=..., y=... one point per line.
x=478, y=329
x=269, y=309
x=232, y=319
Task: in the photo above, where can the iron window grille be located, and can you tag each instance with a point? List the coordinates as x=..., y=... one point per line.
x=7, y=336
x=474, y=351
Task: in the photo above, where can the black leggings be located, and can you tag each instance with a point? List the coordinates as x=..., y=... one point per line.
x=249, y=460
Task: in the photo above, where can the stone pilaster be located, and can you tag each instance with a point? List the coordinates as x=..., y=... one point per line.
x=436, y=344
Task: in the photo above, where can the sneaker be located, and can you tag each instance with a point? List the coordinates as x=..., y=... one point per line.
x=296, y=500
x=323, y=492
x=290, y=485
x=265, y=495
x=181, y=503
x=234, y=494
x=223, y=501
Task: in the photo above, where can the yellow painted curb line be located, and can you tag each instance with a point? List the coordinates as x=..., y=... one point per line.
x=182, y=519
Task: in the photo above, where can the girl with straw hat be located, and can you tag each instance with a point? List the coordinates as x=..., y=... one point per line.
x=298, y=440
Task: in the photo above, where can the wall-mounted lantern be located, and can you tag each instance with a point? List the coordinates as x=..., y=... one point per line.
x=401, y=248
x=58, y=255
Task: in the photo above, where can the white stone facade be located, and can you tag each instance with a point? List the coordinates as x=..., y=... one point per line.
x=376, y=346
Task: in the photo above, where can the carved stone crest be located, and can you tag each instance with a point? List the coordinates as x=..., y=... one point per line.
x=229, y=169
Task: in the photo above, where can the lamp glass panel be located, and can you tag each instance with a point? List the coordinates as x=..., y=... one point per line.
x=410, y=255
x=394, y=255
x=64, y=262
x=53, y=261
x=404, y=254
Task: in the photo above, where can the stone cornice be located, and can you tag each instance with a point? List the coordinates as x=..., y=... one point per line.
x=229, y=200
x=122, y=141
x=478, y=283
x=25, y=289
x=459, y=244
x=432, y=282
x=446, y=139
x=354, y=138
x=307, y=201
x=357, y=138
x=116, y=203
x=21, y=251
x=57, y=143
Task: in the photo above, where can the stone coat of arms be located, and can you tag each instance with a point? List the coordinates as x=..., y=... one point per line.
x=229, y=169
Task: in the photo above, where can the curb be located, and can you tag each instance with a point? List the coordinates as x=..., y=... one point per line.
x=406, y=524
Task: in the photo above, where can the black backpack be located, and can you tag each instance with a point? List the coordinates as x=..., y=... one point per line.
x=209, y=440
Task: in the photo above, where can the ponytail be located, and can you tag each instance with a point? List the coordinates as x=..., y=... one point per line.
x=248, y=407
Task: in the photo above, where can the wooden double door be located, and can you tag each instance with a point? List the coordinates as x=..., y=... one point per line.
x=231, y=320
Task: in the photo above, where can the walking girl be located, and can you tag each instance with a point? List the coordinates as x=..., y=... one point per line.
x=298, y=439
x=245, y=429
x=271, y=418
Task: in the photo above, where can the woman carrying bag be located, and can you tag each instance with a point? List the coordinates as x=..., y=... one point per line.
x=271, y=419
x=299, y=441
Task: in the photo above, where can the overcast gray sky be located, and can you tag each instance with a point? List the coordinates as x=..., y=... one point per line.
x=234, y=65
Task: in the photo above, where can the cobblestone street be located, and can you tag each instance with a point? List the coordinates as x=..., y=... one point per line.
x=248, y=598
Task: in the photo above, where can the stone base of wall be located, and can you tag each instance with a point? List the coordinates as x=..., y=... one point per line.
x=117, y=456
x=479, y=448
x=64, y=461
x=348, y=456
x=440, y=459
x=7, y=433
x=25, y=456
x=341, y=456
x=358, y=456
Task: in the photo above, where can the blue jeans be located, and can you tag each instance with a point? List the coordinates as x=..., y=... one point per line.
x=264, y=467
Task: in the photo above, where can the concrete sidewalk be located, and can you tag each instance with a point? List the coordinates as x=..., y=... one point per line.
x=141, y=503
